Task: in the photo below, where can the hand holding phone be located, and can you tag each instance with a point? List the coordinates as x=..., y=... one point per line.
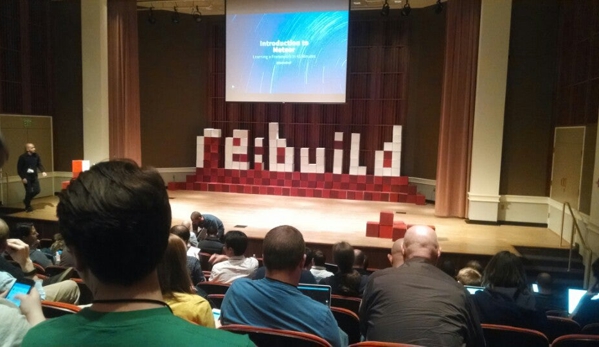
x=22, y=286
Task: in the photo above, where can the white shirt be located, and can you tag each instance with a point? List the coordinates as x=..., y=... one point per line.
x=193, y=252
x=320, y=272
x=236, y=267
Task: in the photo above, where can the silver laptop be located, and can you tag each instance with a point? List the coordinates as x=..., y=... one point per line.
x=318, y=292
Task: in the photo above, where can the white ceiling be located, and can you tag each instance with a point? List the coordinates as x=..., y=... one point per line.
x=217, y=7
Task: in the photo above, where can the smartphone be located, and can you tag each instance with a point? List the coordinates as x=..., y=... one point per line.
x=22, y=286
x=535, y=287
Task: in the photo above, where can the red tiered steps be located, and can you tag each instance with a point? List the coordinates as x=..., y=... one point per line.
x=318, y=185
x=387, y=228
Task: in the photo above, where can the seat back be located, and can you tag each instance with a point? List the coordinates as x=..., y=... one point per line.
x=591, y=329
x=277, y=337
x=53, y=270
x=86, y=296
x=214, y=287
x=381, y=344
x=558, y=326
x=204, y=261
x=503, y=335
x=349, y=322
x=576, y=340
x=52, y=309
x=347, y=302
x=216, y=300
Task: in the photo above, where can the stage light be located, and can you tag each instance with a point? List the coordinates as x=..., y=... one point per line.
x=385, y=9
x=438, y=7
x=175, y=16
x=405, y=11
x=151, y=18
x=197, y=15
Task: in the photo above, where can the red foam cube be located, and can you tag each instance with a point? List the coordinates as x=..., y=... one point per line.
x=386, y=218
x=386, y=231
x=420, y=199
x=399, y=230
x=372, y=229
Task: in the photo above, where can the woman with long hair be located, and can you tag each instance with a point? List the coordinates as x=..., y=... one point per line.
x=347, y=281
x=506, y=298
x=176, y=286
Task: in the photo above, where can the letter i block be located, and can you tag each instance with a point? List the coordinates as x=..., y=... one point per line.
x=386, y=218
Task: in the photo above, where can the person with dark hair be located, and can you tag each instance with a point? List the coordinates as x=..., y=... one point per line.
x=361, y=262
x=506, y=298
x=27, y=166
x=347, y=281
x=26, y=232
x=476, y=265
x=318, y=269
x=587, y=311
x=547, y=299
x=193, y=264
x=306, y=276
x=416, y=303
x=199, y=224
x=236, y=264
x=115, y=218
x=275, y=302
x=211, y=244
x=177, y=289
x=309, y=258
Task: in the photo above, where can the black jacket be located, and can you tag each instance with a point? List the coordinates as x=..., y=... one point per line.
x=26, y=162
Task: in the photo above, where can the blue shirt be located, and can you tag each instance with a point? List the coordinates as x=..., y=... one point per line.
x=214, y=222
x=273, y=304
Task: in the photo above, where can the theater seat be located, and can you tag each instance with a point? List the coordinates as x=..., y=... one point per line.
x=576, y=340
x=348, y=322
x=503, y=335
x=277, y=337
x=216, y=300
x=558, y=326
x=591, y=329
x=381, y=344
x=347, y=302
x=52, y=309
x=213, y=287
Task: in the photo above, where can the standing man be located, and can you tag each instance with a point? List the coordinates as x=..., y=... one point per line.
x=27, y=166
x=417, y=303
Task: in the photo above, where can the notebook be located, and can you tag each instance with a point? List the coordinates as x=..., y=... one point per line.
x=318, y=292
x=574, y=296
x=473, y=289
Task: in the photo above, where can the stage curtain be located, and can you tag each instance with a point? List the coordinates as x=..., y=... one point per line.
x=123, y=80
x=457, y=108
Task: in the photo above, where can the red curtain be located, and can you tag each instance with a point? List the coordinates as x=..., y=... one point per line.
x=123, y=80
x=457, y=108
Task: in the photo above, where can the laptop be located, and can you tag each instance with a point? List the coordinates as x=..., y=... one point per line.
x=574, y=297
x=473, y=289
x=318, y=292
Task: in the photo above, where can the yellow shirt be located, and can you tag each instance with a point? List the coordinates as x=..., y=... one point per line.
x=191, y=307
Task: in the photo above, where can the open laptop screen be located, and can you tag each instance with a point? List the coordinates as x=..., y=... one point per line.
x=473, y=289
x=574, y=297
x=318, y=292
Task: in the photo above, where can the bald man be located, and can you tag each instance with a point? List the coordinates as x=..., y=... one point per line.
x=416, y=302
x=396, y=255
x=27, y=166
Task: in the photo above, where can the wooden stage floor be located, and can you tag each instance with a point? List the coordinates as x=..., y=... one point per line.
x=326, y=221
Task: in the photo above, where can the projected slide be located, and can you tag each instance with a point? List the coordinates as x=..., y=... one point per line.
x=287, y=56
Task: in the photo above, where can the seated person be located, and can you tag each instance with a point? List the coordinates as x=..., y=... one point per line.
x=469, y=277
x=16, y=321
x=318, y=269
x=275, y=302
x=211, y=244
x=587, y=311
x=107, y=208
x=177, y=288
x=26, y=232
x=193, y=264
x=199, y=223
x=236, y=265
x=546, y=299
x=506, y=298
x=305, y=277
x=56, y=289
x=347, y=281
x=361, y=262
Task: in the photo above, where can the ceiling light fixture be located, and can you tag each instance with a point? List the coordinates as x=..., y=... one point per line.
x=385, y=9
x=196, y=14
x=151, y=18
x=175, y=16
x=405, y=11
x=438, y=7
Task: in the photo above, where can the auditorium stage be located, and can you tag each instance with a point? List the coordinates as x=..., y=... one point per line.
x=326, y=221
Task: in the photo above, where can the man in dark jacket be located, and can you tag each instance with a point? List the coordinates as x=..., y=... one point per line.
x=27, y=166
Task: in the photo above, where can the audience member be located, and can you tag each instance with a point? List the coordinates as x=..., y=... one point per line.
x=318, y=269
x=106, y=209
x=506, y=298
x=26, y=232
x=58, y=244
x=476, y=265
x=416, y=302
x=237, y=265
x=361, y=262
x=587, y=311
x=275, y=301
x=16, y=321
x=396, y=256
x=346, y=281
x=198, y=222
x=546, y=299
x=448, y=267
x=306, y=276
x=177, y=289
x=211, y=244
x=56, y=290
x=193, y=264
x=469, y=277
x=309, y=259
